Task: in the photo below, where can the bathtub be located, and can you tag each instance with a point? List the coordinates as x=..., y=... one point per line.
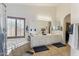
x=17, y=46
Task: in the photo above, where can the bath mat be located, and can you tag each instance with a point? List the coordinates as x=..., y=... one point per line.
x=40, y=49
x=59, y=44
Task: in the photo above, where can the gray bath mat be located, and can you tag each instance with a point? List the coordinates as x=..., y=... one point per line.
x=40, y=48
x=59, y=44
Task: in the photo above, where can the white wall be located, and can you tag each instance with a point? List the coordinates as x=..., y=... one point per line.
x=75, y=13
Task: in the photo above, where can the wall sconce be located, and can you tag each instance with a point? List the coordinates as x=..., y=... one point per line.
x=27, y=28
x=34, y=29
x=53, y=28
x=30, y=29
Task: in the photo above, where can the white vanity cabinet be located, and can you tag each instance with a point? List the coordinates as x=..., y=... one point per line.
x=39, y=40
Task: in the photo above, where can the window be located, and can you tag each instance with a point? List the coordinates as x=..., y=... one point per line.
x=15, y=27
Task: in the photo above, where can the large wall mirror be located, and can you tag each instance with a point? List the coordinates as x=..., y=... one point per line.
x=43, y=27
x=56, y=26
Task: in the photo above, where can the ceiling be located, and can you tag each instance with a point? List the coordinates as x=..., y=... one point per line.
x=36, y=4
x=41, y=4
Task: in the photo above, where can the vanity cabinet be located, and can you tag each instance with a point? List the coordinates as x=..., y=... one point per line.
x=39, y=40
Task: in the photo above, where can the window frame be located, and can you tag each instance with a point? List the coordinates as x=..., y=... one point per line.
x=16, y=27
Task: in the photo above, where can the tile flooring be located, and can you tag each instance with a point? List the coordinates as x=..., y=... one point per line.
x=53, y=51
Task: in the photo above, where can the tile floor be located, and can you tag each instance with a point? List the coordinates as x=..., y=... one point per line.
x=53, y=51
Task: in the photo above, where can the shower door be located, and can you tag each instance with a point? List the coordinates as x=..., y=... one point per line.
x=2, y=29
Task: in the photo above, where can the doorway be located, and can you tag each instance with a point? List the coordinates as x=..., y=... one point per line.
x=67, y=23
x=67, y=32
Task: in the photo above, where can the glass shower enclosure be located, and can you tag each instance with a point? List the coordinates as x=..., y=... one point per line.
x=2, y=29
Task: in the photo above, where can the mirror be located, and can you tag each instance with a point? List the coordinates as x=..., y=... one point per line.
x=43, y=26
x=40, y=27
x=56, y=26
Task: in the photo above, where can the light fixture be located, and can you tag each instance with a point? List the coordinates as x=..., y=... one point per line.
x=44, y=18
